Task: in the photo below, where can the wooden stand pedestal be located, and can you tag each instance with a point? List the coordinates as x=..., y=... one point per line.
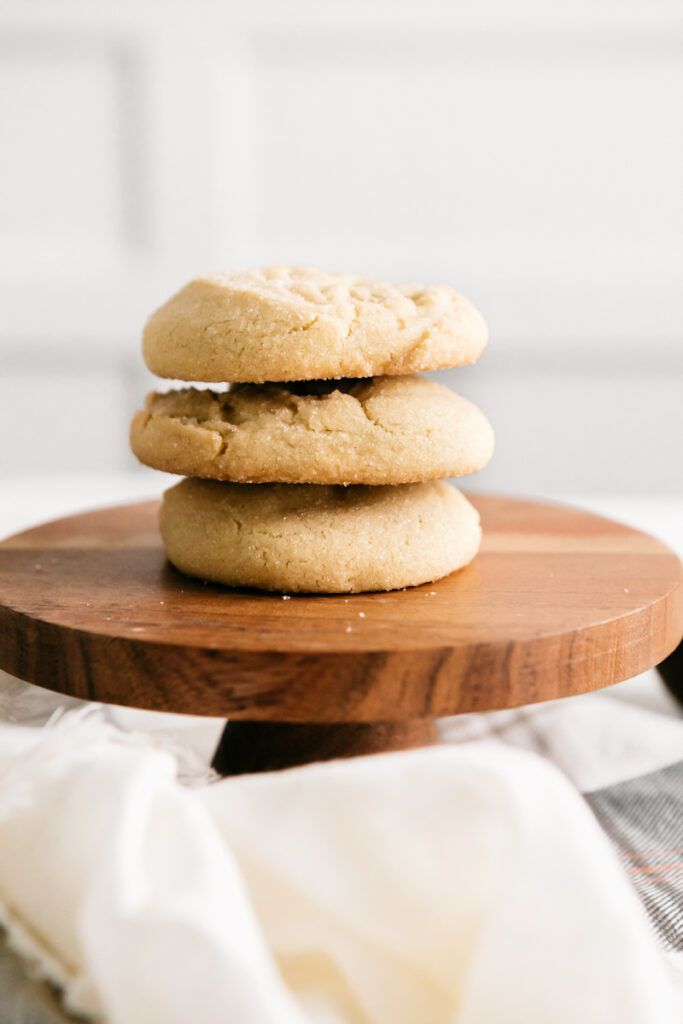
x=265, y=746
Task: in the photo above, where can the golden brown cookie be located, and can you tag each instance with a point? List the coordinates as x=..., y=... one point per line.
x=298, y=323
x=301, y=537
x=386, y=430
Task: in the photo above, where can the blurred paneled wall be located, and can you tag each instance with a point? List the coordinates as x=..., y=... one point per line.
x=528, y=153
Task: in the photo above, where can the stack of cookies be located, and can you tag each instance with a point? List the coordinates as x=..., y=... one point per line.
x=321, y=468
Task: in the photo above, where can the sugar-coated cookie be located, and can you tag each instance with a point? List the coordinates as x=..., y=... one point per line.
x=303, y=537
x=386, y=430
x=298, y=323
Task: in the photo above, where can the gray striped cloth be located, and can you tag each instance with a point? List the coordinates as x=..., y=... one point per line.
x=644, y=819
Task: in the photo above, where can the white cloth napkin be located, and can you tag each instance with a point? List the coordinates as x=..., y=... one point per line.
x=463, y=885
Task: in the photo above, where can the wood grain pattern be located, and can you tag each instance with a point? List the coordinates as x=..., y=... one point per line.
x=558, y=602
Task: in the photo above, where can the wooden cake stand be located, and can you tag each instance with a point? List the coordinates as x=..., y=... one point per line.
x=558, y=602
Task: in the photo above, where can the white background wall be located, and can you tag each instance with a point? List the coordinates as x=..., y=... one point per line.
x=528, y=153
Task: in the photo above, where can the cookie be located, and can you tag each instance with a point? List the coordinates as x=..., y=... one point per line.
x=386, y=430
x=297, y=323
x=318, y=539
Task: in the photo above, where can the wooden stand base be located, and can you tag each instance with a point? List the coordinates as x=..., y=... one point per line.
x=247, y=747
x=558, y=602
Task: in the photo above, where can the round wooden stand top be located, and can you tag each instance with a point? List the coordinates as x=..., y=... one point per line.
x=558, y=602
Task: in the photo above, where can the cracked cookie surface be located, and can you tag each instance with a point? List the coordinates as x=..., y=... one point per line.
x=386, y=430
x=317, y=539
x=298, y=323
